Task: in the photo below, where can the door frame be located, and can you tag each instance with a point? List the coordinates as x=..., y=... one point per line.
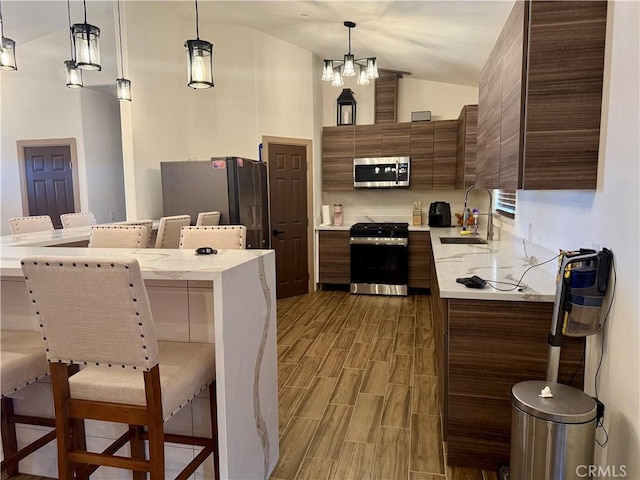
x=308, y=144
x=50, y=142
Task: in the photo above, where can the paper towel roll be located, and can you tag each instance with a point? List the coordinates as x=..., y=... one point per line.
x=326, y=215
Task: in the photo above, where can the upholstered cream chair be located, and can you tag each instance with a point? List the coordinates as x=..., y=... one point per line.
x=84, y=219
x=224, y=236
x=207, y=219
x=95, y=312
x=118, y=236
x=22, y=362
x=143, y=223
x=169, y=230
x=40, y=223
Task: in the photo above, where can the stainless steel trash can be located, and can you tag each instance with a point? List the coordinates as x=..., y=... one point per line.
x=551, y=438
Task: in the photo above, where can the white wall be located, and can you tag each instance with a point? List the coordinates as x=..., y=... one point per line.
x=608, y=217
x=36, y=104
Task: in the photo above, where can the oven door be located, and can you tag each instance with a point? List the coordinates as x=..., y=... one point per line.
x=379, y=265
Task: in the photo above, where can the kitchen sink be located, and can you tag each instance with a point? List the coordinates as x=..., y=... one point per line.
x=463, y=240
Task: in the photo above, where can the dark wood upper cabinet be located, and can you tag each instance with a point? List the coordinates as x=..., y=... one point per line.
x=466, y=148
x=386, y=98
x=396, y=140
x=445, y=140
x=540, y=98
x=338, y=150
x=368, y=141
x=421, y=170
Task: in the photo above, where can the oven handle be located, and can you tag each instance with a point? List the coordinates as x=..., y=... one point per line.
x=390, y=242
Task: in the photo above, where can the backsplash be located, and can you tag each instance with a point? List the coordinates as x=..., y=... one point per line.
x=397, y=204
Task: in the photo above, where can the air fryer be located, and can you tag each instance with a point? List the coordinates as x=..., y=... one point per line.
x=439, y=214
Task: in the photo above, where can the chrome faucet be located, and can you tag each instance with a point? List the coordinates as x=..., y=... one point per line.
x=465, y=214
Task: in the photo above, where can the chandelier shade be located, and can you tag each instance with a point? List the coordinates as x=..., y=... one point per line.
x=73, y=74
x=123, y=86
x=199, y=60
x=334, y=70
x=86, y=40
x=7, y=48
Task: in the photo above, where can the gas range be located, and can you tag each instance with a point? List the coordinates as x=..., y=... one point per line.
x=380, y=230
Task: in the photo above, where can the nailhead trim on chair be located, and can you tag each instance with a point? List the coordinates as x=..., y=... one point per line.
x=20, y=387
x=140, y=325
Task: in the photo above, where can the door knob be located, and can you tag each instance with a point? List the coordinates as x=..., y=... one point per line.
x=277, y=232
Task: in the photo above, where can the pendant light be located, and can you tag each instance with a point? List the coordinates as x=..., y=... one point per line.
x=334, y=70
x=86, y=39
x=123, y=86
x=199, y=60
x=7, y=48
x=72, y=72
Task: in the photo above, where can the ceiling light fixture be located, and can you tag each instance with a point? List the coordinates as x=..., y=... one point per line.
x=199, y=60
x=72, y=72
x=86, y=39
x=334, y=70
x=7, y=48
x=123, y=86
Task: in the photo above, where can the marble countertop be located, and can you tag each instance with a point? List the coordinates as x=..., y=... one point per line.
x=498, y=261
x=165, y=264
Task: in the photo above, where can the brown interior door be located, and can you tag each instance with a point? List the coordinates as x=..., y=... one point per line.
x=49, y=181
x=288, y=188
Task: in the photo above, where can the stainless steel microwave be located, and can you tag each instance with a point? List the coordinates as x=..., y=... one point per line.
x=381, y=172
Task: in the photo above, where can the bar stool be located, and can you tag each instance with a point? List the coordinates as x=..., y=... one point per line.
x=169, y=230
x=22, y=362
x=225, y=236
x=83, y=219
x=143, y=223
x=95, y=312
x=118, y=236
x=39, y=223
x=208, y=219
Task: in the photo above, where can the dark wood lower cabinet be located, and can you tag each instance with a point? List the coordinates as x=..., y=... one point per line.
x=419, y=260
x=486, y=347
x=334, y=257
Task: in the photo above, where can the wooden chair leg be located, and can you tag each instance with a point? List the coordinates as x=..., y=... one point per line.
x=137, y=449
x=9, y=439
x=64, y=425
x=155, y=423
x=213, y=406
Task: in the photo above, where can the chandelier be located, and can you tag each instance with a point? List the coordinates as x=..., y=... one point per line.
x=334, y=70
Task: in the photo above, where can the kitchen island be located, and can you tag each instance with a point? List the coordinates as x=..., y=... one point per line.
x=227, y=298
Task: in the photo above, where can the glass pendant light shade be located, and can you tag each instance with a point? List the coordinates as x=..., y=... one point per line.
x=86, y=41
x=73, y=74
x=349, y=69
x=372, y=68
x=8, y=54
x=337, y=78
x=123, y=89
x=363, y=79
x=327, y=71
x=199, y=63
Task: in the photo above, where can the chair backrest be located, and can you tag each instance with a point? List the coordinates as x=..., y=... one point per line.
x=40, y=223
x=118, y=236
x=224, y=236
x=206, y=219
x=143, y=223
x=92, y=310
x=169, y=230
x=84, y=219
x=22, y=360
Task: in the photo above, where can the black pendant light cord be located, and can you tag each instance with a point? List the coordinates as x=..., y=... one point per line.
x=120, y=37
x=73, y=55
x=349, y=40
x=197, y=22
x=84, y=5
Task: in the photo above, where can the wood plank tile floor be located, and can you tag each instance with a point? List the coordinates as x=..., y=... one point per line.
x=357, y=390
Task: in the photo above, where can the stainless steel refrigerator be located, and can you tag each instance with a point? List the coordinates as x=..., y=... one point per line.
x=236, y=187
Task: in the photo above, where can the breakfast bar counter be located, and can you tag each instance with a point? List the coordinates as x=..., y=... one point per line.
x=227, y=298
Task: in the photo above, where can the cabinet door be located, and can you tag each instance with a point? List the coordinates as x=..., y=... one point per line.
x=421, y=169
x=396, y=140
x=368, y=141
x=334, y=257
x=444, y=154
x=467, y=141
x=419, y=260
x=338, y=148
x=489, y=119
